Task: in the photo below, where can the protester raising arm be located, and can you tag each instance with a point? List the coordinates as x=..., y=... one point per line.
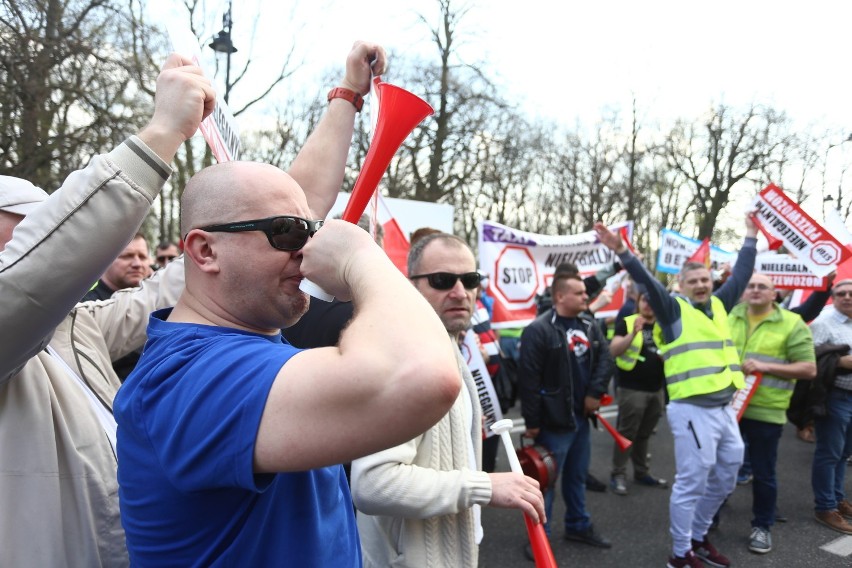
x=666, y=308
x=123, y=183
x=320, y=165
x=732, y=290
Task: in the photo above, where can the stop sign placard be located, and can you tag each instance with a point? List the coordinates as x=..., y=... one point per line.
x=516, y=275
x=825, y=253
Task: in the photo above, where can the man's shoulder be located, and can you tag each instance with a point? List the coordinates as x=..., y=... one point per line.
x=99, y=292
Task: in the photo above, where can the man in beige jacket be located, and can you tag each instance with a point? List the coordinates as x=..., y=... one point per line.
x=58, y=473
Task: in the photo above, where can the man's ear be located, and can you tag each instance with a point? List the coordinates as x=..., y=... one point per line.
x=201, y=248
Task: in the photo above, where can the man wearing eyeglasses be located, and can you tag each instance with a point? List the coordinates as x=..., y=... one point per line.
x=565, y=367
x=777, y=344
x=419, y=502
x=833, y=330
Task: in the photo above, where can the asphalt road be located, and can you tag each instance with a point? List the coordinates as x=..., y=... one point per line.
x=637, y=523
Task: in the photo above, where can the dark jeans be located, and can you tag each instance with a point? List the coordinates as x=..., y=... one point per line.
x=762, y=439
x=833, y=447
x=572, y=452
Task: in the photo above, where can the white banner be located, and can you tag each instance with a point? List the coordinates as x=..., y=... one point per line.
x=520, y=265
x=787, y=272
x=491, y=412
x=676, y=248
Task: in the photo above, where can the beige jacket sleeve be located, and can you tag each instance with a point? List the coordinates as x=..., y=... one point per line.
x=123, y=318
x=60, y=250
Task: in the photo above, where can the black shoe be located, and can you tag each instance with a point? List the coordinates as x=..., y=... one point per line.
x=528, y=553
x=594, y=484
x=590, y=537
x=652, y=481
x=779, y=516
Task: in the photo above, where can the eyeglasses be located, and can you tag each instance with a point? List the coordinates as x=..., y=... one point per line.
x=446, y=280
x=164, y=258
x=284, y=232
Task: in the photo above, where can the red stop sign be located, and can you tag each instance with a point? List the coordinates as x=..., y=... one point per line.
x=516, y=275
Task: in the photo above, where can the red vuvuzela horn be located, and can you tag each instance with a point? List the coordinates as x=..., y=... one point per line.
x=622, y=442
x=399, y=114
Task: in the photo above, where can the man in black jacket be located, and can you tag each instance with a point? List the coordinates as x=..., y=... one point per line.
x=564, y=369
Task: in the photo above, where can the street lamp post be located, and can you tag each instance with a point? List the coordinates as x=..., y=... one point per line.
x=222, y=43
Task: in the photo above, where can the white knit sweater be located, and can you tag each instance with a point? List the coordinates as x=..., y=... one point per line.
x=414, y=500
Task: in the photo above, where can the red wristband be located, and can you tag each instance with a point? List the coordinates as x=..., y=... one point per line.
x=348, y=95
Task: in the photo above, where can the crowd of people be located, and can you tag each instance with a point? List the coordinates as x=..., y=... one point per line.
x=223, y=441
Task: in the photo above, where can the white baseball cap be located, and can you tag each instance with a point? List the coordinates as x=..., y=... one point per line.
x=19, y=196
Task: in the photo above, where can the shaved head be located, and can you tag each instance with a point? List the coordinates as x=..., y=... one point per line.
x=231, y=191
x=238, y=277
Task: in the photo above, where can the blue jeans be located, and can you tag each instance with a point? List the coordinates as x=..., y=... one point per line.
x=572, y=452
x=833, y=447
x=762, y=439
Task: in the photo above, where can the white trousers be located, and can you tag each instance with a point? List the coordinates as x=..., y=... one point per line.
x=708, y=452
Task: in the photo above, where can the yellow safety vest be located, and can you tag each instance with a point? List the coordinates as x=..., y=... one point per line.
x=703, y=359
x=627, y=360
x=768, y=342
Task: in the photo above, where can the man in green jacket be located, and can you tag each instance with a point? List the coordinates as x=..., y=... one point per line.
x=777, y=344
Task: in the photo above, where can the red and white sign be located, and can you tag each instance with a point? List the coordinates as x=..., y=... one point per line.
x=788, y=273
x=780, y=217
x=516, y=276
x=743, y=396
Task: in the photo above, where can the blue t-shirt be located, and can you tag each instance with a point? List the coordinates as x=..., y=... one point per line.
x=187, y=422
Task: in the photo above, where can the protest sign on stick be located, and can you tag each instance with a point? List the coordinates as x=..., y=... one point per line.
x=781, y=218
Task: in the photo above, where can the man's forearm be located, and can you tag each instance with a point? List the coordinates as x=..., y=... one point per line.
x=320, y=165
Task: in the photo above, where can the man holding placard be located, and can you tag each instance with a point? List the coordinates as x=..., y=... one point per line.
x=777, y=344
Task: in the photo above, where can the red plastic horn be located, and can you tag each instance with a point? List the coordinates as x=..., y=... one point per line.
x=399, y=114
x=622, y=442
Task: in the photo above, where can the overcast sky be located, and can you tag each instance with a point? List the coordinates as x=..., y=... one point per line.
x=569, y=60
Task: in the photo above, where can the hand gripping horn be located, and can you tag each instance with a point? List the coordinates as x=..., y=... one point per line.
x=399, y=114
x=539, y=543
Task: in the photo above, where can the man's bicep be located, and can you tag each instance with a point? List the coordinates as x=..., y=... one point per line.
x=324, y=409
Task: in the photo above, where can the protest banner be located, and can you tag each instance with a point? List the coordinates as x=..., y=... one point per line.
x=491, y=412
x=787, y=272
x=782, y=218
x=520, y=266
x=676, y=249
x=219, y=128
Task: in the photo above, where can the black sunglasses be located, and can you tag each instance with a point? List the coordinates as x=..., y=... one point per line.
x=284, y=232
x=446, y=280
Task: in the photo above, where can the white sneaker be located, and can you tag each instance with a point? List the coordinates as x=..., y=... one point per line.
x=760, y=540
